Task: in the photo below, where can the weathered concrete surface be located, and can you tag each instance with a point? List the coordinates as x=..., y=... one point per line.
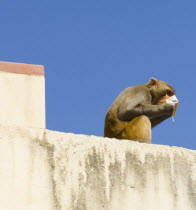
x=22, y=94
x=25, y=170
x=42, y=169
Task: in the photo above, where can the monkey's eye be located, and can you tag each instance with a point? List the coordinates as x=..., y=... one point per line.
x=169, y=93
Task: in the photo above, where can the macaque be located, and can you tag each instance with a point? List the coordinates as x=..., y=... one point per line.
x=137, y=110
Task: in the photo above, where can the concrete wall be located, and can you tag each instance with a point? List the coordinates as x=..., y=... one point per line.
x=22, y=94
x=47, y=170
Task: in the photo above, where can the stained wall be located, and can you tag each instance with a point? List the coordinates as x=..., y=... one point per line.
x=43, y=169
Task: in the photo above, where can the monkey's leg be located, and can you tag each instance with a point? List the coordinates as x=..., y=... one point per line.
x=139, y=129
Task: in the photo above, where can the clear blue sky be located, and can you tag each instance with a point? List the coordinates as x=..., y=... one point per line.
x=92, y=50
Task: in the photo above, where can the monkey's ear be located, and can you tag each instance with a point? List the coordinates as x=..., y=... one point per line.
x=152, y=82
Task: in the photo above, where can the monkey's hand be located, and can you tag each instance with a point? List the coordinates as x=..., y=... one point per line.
x=168, y=111
x=168, y=108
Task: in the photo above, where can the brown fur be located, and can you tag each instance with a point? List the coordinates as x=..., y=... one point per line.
x=135, y=111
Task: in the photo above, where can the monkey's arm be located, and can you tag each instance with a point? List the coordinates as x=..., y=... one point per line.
x=129, y=110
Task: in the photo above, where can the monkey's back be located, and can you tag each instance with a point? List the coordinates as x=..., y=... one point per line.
x=113, y=126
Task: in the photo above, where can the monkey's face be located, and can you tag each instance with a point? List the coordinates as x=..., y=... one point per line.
x=160, y=89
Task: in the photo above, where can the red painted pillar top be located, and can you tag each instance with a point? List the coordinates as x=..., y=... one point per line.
x=21, y=68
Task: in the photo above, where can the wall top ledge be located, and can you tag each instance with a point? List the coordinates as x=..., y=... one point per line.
x=21, y=68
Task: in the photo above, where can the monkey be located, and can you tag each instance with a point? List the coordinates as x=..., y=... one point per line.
x=137, y=110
